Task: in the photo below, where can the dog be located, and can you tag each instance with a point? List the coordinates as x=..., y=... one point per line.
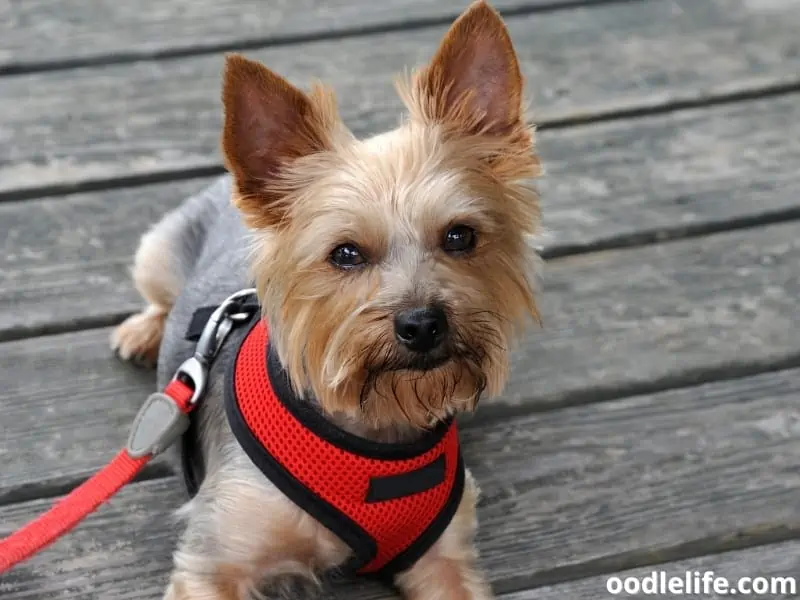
x=394, y=274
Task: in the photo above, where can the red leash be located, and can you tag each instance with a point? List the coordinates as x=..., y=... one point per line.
x=160, y=422
x=86, y=498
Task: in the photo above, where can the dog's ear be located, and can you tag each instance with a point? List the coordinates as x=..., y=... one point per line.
x=268, y=124
x=473, y=82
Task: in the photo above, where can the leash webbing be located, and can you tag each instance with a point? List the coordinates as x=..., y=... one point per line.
x=83, y=500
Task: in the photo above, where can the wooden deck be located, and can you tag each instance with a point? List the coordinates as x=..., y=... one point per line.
x=654, y=423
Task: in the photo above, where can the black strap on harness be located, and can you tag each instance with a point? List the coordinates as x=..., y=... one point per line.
x=191, y=459
x=202, y=314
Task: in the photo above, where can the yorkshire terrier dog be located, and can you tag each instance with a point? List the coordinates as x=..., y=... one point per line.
x=393, y=274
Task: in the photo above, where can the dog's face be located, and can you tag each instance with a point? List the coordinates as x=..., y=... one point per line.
x=394, y=271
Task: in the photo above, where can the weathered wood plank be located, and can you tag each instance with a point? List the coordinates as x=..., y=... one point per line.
x=122, y=551
x=108, y=122
x=638, y=475
x=780, y=561
x=34, y=35
x=607, y=183
x=66, y=260
x=715, y=305
x=58, y=434
x=665, y=314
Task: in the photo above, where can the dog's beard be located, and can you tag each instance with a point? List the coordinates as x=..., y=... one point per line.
x=421, y=397
x=420, y=390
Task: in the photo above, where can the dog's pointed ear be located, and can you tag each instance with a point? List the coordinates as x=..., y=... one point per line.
x=268, y=124
x=474, y=81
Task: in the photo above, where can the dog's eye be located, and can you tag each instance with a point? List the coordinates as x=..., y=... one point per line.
x=459, y=238
x=347, y=256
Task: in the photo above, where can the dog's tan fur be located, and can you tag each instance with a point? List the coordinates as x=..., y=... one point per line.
x=304, y=184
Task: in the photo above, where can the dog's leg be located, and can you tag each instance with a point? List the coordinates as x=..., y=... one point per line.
x=157, y=280
x=448, y=571
x=163, y=261
x=243, y=535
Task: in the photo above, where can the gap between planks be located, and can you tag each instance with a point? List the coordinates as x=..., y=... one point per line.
x=404, y=22
x=599, y=115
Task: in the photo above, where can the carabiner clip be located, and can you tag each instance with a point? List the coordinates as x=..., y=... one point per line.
x=217, y=328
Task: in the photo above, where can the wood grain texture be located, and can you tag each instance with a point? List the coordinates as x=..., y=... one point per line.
x=66, y=261
x=33, y=33
x=149, y=117
x=661, y=315
x=713, y=306
x=77, y=419
x=607, y=183
x=773, y=561
x=559, y=489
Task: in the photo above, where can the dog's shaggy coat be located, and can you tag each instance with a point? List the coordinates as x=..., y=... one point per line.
x=302, y=187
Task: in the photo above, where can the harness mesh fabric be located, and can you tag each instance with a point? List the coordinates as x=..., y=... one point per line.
x=340, y=476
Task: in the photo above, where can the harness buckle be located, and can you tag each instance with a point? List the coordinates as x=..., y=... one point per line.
x=194, y=370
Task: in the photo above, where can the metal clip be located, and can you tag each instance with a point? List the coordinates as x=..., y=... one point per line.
x=194, y=371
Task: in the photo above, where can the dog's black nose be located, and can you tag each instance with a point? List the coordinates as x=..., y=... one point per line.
x=421, y=329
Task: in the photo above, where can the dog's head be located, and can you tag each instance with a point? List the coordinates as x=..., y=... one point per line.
x=394, y=271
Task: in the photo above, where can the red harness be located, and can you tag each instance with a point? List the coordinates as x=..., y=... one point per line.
x=388, y=502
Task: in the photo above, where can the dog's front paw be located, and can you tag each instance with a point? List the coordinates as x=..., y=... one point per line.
x=138, y=338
